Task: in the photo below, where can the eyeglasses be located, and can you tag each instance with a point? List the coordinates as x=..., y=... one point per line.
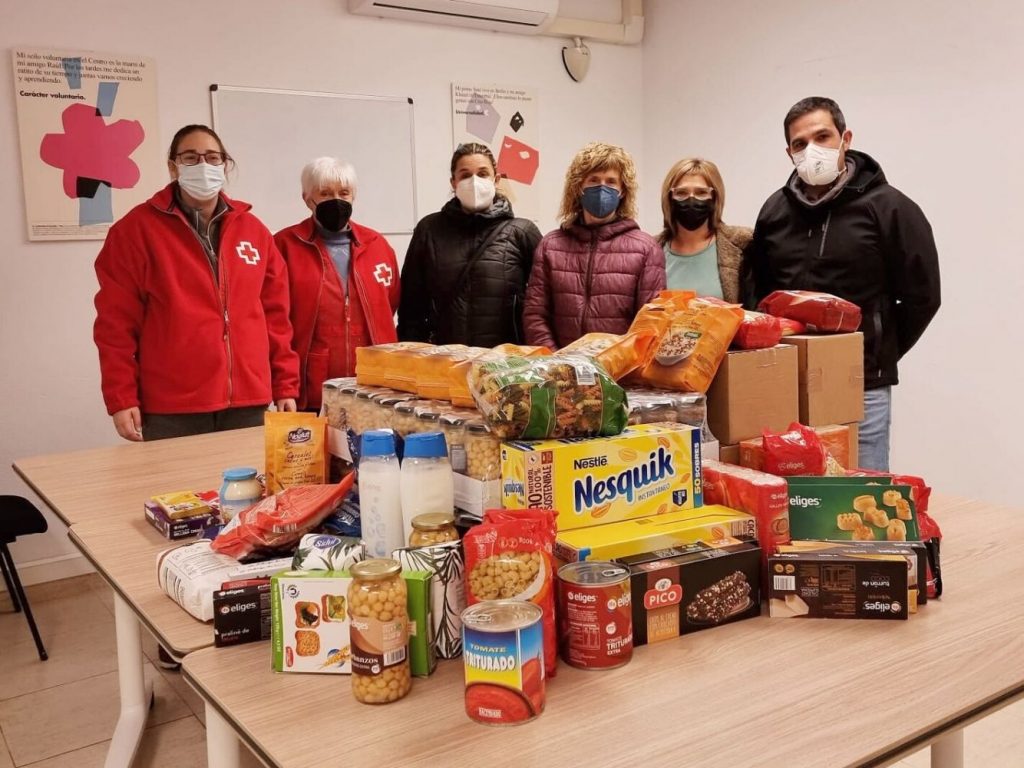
x=193, y=158
x=700, y=193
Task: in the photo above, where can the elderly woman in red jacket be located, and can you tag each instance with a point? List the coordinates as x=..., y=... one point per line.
x=343, y=280
x=597, y=270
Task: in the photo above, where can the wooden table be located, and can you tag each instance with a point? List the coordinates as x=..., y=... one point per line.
x=764, y=692
x=116, y=480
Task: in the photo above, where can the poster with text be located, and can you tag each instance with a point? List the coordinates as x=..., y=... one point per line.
x=88, y=129
x=505, y=119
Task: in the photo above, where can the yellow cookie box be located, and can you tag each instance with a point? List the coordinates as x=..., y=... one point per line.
x=712, y=524
x=650, y=469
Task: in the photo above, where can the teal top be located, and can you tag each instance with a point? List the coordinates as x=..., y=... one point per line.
x=696, y=272
x=339, y=246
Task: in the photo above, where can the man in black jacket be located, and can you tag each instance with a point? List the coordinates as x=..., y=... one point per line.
x=837, y=226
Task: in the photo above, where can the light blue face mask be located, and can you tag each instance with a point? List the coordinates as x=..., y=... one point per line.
x=600, y=201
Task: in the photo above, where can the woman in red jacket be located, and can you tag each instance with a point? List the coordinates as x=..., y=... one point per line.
x=597, y=270
x=192, y=311
x=343, y=279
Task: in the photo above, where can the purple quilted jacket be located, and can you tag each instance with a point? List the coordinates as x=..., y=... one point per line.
x=587, y=279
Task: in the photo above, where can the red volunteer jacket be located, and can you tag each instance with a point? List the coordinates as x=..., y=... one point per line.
x=330, y=325
x=171, y=338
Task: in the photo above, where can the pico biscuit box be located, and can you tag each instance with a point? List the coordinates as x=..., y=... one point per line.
x=310, y=623
x=648, y=469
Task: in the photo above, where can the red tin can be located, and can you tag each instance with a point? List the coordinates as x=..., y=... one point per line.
x=595, y=615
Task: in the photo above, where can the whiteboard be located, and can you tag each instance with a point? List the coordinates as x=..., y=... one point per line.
x=272, y=134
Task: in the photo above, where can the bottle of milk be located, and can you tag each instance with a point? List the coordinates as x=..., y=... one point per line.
x=380, y=503
x=427, y=481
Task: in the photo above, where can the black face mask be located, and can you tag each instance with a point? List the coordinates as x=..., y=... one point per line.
x=333, y=214
x=691, y=213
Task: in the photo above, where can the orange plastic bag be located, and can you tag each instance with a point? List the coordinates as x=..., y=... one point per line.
x=757, y=331
x=618, y=355
x=822, y=312
x=431, y=370
x=374, y=365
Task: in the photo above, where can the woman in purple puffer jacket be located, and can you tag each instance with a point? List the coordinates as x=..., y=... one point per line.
x=597, y=270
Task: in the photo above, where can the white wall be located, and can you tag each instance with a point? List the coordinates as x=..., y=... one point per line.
x=931, y=89
x=49, y=388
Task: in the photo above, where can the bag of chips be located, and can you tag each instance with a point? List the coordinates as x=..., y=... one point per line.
x=821, y=312
x=619, y=355
x=509, y=556
x=555, y=396
x=296, y=449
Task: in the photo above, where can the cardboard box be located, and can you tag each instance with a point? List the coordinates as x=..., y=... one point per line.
x=446, y=563
x=729, y=454
x=831, y=378
x=915, y=553
x=836, y=438
x=179, y=528
x=697, y=588
x=658, y=532
x=241, y=612
x=648, y=469
x=830, y=585
x=474, y=496
x=854, y=437
x=851, y=509
x=754, y=389
x=310, y=623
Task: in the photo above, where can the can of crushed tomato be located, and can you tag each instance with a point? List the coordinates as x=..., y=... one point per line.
x=595, y=615
x=503, y=655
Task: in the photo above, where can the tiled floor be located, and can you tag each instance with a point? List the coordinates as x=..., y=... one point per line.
x=61, y=713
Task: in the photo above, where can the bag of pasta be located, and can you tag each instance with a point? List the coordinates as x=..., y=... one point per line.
x=690, y=351
x=458, y=374
x=374, y=365
x=557, y=396
x=619, y=355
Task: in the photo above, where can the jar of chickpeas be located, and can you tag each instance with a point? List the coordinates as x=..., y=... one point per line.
x=453, y=426
x=483, y=451
x=384, y=416
x=428, y=416
x=379, y=632
x=404, y=421
x=360, y=415
x=432, y=528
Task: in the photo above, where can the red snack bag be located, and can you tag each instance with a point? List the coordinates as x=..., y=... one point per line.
x=764, y=496
x=791, y=327
x=822, y=312
x=757, y=330
x=509, y=556
x=280, y=520
x=798, y=451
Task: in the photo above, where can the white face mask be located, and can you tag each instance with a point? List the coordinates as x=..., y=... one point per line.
x=476, y=193
x=201, y=181
x=817, y=165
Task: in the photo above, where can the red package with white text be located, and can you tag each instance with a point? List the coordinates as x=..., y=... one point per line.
x=798, y=451
x=821, y=312
x=279, y=521
x=757, y=330
x=509, y=556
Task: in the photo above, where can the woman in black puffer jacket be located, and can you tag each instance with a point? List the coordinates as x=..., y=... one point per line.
x=465, y=272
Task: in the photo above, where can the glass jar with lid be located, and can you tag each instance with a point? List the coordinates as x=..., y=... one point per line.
x=433, y=528
x=240, y=490
x=384, y=415
x=404, y=422
x=379, y=632
x=453, y=425
x=360, y=415
x=483, y=451
x=428, y=416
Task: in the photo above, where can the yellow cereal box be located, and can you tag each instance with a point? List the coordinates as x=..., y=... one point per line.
x=712, y=524
x=649, y=469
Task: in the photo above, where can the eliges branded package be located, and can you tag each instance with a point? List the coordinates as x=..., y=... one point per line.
x=851, y=509
x=697, y=587
x=241, y=612
x=830, y=585
x=649, y=469
x=657, y=532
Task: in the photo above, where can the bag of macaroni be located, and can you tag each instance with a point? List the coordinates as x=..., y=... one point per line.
x=509, y=556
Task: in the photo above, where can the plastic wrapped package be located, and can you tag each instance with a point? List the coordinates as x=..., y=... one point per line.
x=797, y=451
x=764, y=496
x=620, y=355
x=757, y=331
x=431, y=370
x=820, y=312
x=654, y=406
x=458, y=374
x=384, y=415
x=326, y=552
x=374, y=364
x=337, y=397
x=544, y=397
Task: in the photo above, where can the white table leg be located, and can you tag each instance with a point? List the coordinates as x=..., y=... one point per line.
x=223, y=749
x=948, y=752
x=135, y=692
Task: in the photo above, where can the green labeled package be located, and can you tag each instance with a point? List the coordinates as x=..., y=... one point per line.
x=845, y=511
x=422, y=659
x=548, y=397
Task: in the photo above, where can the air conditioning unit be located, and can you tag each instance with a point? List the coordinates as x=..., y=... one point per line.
x=521, y=16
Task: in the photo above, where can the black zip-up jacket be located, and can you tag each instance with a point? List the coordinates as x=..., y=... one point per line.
x=486, y=310
x=869, y=244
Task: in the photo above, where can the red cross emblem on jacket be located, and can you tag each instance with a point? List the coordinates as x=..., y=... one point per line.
x=247, y=253
x=383, y=274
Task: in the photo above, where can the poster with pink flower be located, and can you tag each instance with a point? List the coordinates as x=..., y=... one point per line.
x=89, y=136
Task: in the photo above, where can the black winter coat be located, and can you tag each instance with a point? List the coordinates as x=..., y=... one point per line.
x=870, y=244
x=486, y=308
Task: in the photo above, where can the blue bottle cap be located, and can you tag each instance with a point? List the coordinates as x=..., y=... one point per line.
x=239, y=473
x=426, y=445
x=377, y=442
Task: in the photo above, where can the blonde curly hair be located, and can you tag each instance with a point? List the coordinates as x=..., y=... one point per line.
x=598, y=156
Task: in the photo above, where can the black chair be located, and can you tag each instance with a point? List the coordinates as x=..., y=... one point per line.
x=19, y=517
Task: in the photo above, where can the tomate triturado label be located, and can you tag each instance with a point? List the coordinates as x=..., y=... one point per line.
x=377, y=645
x=504, y=674
x=596, y=624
